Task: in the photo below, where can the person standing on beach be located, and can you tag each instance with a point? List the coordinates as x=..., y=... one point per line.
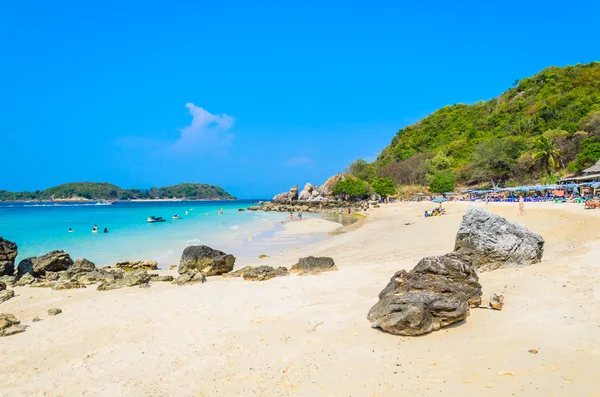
x=300, y=214
x=291, y=216
x=521, y=205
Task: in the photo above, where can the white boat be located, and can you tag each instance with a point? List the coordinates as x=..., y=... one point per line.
x=154, y=219
x=176, y=217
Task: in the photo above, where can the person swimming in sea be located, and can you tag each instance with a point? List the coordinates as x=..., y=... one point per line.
x=95, y=229
x=105, y=230
x=70, y=230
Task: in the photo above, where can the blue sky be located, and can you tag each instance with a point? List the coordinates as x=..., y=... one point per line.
x=252, y=96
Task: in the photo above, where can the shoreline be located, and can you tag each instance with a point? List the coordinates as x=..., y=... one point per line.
x=292, y=335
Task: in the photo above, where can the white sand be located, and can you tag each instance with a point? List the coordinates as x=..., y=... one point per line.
x=308, y=336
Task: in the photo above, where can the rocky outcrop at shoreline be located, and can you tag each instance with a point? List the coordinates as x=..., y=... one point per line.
x=493, y=242
x=331, y=207
x=8, y=253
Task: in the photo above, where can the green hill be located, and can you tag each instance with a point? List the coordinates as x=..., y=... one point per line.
x=107, y=191
x=543, y=126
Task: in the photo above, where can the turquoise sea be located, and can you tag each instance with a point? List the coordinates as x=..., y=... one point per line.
x=38, y=228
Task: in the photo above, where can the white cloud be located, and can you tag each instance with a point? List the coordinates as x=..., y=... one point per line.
x=207, y=132
x=298, y=161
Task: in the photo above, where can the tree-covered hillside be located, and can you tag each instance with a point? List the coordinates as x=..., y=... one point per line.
x=107, y=191
x=543, y=126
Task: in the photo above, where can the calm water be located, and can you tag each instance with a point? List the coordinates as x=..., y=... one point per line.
x=39, y=228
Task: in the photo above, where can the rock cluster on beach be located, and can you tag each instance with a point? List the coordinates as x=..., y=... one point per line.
x=311, y=199
x=439, y=290
x=305, y=266
x=493, y=242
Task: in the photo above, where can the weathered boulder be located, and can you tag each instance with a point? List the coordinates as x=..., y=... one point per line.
x=82, y=265
x=238, y=273
x=53, y=261
x=8, y=253
x=286, y=197
x=8, y=280
x=2, y=285
x=9, y=325
x=416, y=313
x=449, y=275
x=307, y=192
x=136, y=265
x=6, y=295
x=493, y=242
x=312, y=264
x=435, y=293
x=26, y=279
x=326, y=188
x=129, y=279
x=201, y=258
x=190, y=278
x=262, y=273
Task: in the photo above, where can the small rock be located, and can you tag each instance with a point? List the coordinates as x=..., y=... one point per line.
x=496, y=301
x=54, y=311
x=36, y=319
x=533, y=351
x=172, y=267
x=190, y=278
x=263, y=256
x=156, y=277
x=26, y=279
x=6, y=295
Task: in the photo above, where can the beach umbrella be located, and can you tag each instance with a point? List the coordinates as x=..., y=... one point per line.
x=439, y=199
x=575, y=190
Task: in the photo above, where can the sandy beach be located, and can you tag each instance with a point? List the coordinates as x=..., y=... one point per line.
x=309, y=336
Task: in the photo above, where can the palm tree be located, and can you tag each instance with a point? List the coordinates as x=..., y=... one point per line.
x=546, y=153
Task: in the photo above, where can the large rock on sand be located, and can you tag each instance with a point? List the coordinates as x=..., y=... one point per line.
x=263, y=273
x=287, y=197
x=493, y=242
x=201, y=258
x=6, y=295
x=37, y=266
x=129, y=279
x=9, y=325
x=416, y=313
x=8, y=253
x=312, y=264
x=435, y=293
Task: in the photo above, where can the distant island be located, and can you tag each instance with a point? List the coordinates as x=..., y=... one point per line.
x=82, y=191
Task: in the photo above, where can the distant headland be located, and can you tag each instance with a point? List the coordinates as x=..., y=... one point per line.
x=86, y=191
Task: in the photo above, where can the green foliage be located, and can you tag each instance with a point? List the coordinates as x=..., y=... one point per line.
x=354, y=188
x=363, y=170
x=107, y=191
x=588, y=157
x=546, y=153
x=565, y=100
x=442, y=182
x=383, y=187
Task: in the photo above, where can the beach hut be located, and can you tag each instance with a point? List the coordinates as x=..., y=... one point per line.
x=594, y=169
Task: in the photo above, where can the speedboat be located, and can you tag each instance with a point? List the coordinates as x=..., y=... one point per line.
x=105, y=202
x=154, y=219
x=176, y=217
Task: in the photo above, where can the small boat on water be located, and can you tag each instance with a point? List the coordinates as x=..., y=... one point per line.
x=105, y=202
x=154, y=219
x=176, y=217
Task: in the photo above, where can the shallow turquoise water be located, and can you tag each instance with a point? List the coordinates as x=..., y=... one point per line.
x=40, y=228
